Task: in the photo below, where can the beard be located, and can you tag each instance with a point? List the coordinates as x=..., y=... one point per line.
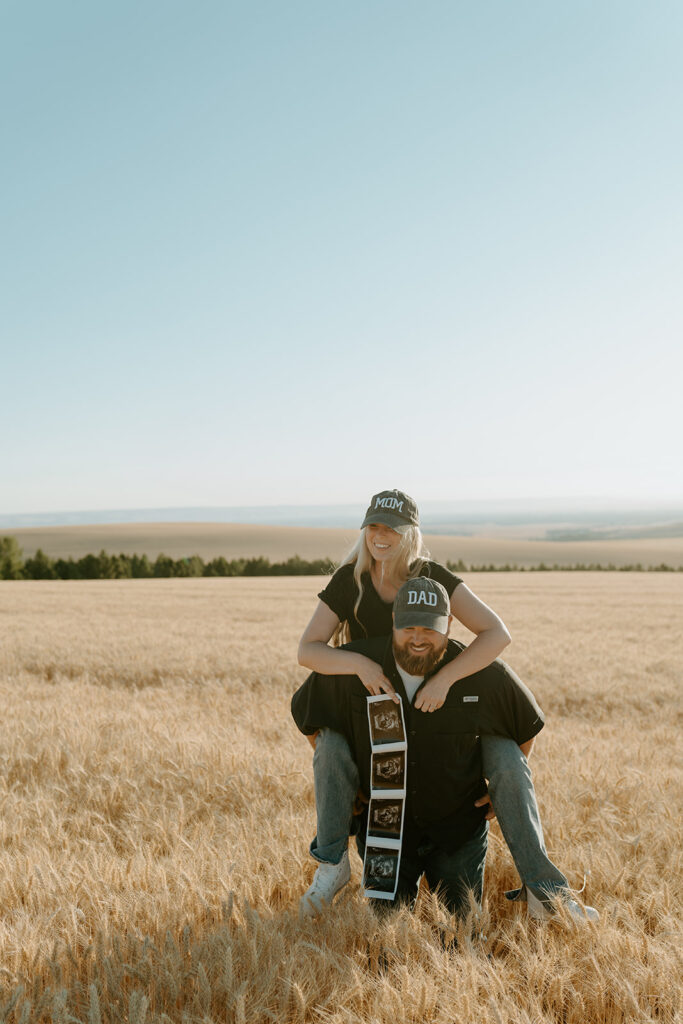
x=419, y=664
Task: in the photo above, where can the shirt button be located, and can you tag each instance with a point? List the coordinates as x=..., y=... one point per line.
x=412, y=732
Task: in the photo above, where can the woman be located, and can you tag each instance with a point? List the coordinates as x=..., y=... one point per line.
x=358, y=600
x=357, y=603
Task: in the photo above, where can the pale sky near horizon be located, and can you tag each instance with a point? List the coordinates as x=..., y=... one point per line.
x=291, y=253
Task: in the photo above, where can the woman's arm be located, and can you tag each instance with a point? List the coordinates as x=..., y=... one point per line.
x=316, y=653
x=491, y=638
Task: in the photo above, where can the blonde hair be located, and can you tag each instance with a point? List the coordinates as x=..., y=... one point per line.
x=411, y=554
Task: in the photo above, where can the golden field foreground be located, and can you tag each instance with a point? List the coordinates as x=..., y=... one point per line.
x=157, y=807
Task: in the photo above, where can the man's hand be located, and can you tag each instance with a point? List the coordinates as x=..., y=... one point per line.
x=482, y=802
x=374, y=680
x=432, y=696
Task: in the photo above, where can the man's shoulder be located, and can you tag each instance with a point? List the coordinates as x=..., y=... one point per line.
x=498, y=681
x=372, y=647
x=453, y=649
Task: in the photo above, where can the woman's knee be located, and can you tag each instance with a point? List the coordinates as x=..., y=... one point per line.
x=331, y=747
x=501, y=756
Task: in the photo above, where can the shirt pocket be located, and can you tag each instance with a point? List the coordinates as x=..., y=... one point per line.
x=459, y=757
x=460, y=720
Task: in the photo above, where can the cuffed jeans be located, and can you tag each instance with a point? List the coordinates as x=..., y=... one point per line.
x=511, y=790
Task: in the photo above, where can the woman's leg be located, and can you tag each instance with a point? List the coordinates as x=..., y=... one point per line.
x=336, y=784
x=335, y=778
x=514, y=800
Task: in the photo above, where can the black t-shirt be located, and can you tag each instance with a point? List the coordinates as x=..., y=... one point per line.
x=374, y=614
x=444, y=770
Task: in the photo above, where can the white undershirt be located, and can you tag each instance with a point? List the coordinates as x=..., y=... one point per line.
x=411, y=683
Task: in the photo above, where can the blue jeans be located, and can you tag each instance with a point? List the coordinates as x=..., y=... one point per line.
x=452, y=874
x=512, y=794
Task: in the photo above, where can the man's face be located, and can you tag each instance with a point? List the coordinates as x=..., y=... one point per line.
x=418, y=650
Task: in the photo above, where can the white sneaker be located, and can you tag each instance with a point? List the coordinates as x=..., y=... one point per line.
x=543, y=911
x=327, y=881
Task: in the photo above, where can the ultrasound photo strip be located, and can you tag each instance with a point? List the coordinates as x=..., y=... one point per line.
x=387, y=797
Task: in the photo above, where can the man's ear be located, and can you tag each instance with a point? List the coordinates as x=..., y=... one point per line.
x=393, y=618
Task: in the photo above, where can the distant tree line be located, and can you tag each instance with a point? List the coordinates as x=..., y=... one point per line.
x=124, y=567
x=104, y=566
x=460, y=566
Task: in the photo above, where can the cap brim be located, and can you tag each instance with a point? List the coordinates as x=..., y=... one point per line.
x=410, y=617
x=386, y=519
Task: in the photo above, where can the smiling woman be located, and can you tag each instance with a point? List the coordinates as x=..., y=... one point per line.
x=357, y=603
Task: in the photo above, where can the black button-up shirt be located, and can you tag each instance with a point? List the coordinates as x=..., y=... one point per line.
x=444, y=770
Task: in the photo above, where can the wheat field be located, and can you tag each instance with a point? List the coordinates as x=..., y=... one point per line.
x=157, y=807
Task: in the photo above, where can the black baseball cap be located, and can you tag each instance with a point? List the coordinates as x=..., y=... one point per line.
x=422, y=602
x=392, y=508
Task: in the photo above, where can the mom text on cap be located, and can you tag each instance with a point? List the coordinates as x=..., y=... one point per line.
x=389, y=503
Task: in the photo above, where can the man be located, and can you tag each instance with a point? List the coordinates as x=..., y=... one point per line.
x=445, y=832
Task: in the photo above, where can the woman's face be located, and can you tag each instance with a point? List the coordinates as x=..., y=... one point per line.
x=382, y=541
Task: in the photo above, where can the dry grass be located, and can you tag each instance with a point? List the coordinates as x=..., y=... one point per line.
x=232, y=540
x=157, y=806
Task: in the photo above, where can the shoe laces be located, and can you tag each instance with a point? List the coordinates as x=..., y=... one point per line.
x=322, y=879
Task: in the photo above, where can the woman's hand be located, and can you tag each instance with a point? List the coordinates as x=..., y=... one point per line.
x=433, y=694
x=374, y=680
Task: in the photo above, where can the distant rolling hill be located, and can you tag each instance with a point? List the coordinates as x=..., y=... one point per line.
x=665, y=530
x=238, y=540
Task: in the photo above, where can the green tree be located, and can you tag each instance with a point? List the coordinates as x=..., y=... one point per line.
x=107, y=565
x=192, y=566
x=89, y=567
x=217, y=567
x=140, y=567
x=257, y=567
x=11, y=559
x=67, y=569
x=40, y=567
x=163, y=566
x=120, y=567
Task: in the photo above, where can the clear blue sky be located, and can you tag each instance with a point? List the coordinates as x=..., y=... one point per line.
x=267, y=252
